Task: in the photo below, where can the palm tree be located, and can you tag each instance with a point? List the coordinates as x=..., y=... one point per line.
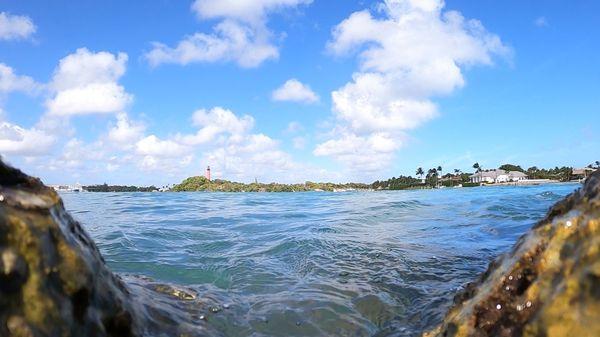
x=431, y=173
x=598, y=164
x=420, y=172
x=456, y=171
x=435, y=174
x=532, y=171
x=477, y=167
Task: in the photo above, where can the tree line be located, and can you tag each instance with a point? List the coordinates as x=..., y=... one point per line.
x=118, y=188
x=199, y=183
x=434, y=177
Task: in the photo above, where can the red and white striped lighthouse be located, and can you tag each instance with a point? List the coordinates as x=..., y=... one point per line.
x=208, y=173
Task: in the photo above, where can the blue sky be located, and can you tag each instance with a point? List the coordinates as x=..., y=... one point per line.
x=100, y=92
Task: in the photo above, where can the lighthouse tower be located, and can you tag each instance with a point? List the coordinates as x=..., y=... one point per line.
x=208, y=173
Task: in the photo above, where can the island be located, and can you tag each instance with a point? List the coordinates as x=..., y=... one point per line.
x=200, y=183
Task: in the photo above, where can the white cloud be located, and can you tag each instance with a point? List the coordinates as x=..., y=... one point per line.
x=87, y=83
x=295, y=91
x=10, y=82
x=77, y=155
x=368, y=153
x=230, y=41
x=410, y=54
x=214, y=122
x=24, y=142
x=251, y=11
x=101, y=98
x=241, y=36
x=15, y=27
x=371, y=103
x=126, y=132
x=541, y=22
x=153, y=146
x=226, y=143
x=233, y=151
x=250, y=156
x=165, y=165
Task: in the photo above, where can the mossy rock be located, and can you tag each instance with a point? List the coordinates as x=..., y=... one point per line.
x=547, y=285
x=54, y=282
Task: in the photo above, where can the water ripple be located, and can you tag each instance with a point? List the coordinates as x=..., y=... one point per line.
x=314, y=264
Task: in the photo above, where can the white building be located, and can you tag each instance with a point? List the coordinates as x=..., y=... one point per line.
x=67, y=188
x=497, y=176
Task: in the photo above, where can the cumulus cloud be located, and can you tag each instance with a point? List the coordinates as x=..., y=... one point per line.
x=126, y=132
x=241, y=36
x=226, y=142
x=250, y=11
x=367, y=153
x=295, y=91
x=216, y=121
x=24, y=142
x=10, y=82
x=230, y=41
x=76, y=154
x=412, y=52
x=249, y=156
x=153, y=146
x=87, y=83
x=15, y=27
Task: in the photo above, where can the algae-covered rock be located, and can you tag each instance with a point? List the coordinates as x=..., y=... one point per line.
x=54, y=282
x=547, y=285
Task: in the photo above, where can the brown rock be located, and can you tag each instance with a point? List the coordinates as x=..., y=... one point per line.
x=54, y=282
x=547, y=285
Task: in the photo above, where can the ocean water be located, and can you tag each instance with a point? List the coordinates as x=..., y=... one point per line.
x=314, y=263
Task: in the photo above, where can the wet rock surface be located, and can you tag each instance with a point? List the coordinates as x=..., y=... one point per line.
x=547, y=285
x=54, y=282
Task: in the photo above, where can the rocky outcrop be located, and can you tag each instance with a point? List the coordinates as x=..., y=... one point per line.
x=547, y=285
x=54, y=282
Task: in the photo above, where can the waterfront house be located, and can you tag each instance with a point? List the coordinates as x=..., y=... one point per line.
x=497, y=176
x=582, y=173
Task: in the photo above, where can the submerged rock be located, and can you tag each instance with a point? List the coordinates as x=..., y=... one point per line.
x=547, y=285
x=54, y=282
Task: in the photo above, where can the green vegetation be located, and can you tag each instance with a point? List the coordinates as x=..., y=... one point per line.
x=400, y=183
x=510, y=167
x=195, y=184
x=435, y=179
x=116, y=188
x=561, y=174
x=470, y=184
x=431, y=178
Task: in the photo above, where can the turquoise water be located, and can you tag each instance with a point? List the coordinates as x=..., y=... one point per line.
x=316, y=263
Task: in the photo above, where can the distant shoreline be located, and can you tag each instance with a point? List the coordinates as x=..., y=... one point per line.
x=511, y=184
x=506, y=175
